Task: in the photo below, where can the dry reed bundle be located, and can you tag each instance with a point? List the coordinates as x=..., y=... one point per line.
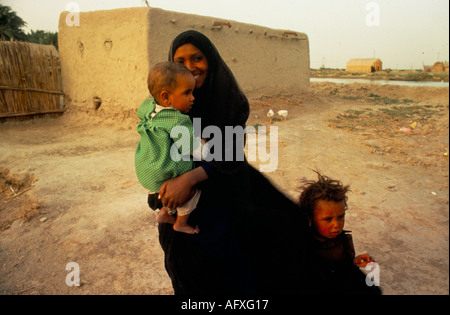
x=30, y=80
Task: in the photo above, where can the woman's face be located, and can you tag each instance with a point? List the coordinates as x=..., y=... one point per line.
x=194, y=60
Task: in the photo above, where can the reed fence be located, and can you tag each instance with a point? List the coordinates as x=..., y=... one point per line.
x=30, y=80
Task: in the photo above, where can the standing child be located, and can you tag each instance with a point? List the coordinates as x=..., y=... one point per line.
x=161, y=152
x=324, y=203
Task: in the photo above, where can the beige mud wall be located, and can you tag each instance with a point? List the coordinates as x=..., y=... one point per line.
x=110, y=53
x=105, y=56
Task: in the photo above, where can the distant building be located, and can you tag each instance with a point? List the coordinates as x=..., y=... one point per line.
x=364, y=65
x=440, y=67
x=427, y=68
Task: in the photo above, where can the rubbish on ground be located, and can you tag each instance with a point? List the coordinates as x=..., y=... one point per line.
x=405, y=129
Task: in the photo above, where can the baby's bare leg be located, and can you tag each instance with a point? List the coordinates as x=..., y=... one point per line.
x=181, y=225
x=164, y=217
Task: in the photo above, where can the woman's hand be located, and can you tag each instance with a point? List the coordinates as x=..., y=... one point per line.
x=177, y=191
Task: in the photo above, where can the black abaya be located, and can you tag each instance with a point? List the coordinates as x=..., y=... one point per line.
x=252, y=237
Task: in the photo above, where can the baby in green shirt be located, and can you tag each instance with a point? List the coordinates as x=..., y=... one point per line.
x=161, y=152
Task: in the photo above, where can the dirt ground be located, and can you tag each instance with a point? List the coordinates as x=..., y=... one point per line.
x=69, y=192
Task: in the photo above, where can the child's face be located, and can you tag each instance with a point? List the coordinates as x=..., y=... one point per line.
x=328, y=219
x=181, y=98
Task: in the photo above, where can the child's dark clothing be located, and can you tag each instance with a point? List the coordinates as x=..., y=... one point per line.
x=333, y=268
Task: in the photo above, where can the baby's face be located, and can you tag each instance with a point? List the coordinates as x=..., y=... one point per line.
x=329, y=219
x=182, y=98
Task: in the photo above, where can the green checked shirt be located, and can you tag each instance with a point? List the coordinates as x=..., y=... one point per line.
x=160, y=156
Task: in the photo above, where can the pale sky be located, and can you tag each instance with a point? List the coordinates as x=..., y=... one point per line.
x=404, y=34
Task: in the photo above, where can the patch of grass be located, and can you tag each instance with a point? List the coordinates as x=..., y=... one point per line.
x=409, y=112
x=420, y=76
x=374, y=98
x=384, y=100
x=351, y=113
x=351, y=98
x=384, y=120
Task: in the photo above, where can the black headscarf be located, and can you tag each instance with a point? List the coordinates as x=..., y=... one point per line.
x=220, y=101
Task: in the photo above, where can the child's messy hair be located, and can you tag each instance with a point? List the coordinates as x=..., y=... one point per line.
x=324, y=188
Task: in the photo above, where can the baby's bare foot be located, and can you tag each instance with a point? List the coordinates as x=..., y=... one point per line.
x=186, y=229
x=164, y=217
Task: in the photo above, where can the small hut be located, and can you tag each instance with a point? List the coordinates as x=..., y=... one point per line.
x=427, y=68
x=364, y=65
x=438, y=67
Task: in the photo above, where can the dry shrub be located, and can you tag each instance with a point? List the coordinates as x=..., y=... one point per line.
x=16, y=203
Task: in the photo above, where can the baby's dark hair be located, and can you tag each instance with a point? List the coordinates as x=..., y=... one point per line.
x=164, y=76
x=324, y=188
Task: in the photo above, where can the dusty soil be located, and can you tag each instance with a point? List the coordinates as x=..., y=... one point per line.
x=69, y=192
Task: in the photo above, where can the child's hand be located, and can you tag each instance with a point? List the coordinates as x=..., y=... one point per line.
x=362, y=260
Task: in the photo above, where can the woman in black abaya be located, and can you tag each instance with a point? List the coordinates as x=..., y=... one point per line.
x=252, y=238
